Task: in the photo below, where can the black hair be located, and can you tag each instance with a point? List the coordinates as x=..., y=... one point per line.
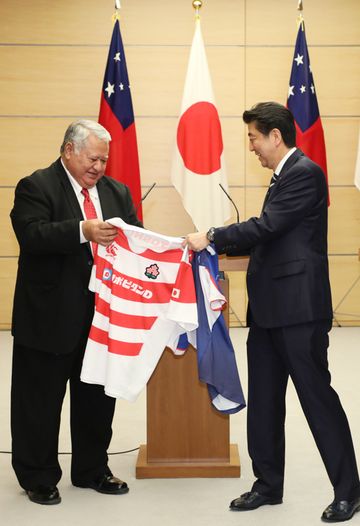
x=270, y=115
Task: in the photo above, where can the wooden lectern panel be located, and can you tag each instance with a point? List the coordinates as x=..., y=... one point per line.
x=179, y=404
x=233, y=263
x=186, y=436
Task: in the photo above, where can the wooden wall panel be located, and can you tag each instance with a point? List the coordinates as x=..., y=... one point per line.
x=163, y=212
x=274, y=23
x=341, y=137
x=53, y=58
x=41, y=81
x=237, y=280
x=344, y=221
x=254, y=200
x=237, y=299
x=238, y=195
x=9, y=244
x=50, y=22
x=45, y=80
x=8, y=269
x=233, y=137
x=28, y=144
x=271, y=80
x=142, y=22
x=222, y=25
x=38, y=142
x=341, y=63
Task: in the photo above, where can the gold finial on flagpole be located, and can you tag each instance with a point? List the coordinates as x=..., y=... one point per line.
x=300, y=8
x=197, y=5
x=116, y=15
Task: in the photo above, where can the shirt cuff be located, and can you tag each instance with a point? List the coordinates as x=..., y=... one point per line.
x=82, y=237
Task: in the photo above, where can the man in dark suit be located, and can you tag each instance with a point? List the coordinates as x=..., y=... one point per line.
x=289, y=315
x=59, y=216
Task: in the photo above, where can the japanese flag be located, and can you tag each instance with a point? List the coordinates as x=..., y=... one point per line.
x=198, y=162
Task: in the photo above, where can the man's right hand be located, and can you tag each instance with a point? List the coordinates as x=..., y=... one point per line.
x=99, y=231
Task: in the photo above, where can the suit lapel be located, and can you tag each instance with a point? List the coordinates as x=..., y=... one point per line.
x=106, y=198
x=70, y=196
x=285, y=169
x=69, y=191
x=290, y=162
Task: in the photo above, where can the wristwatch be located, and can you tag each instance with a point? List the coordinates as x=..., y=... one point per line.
x=210, y=234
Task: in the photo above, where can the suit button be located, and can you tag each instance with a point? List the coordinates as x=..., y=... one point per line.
x=90, y=262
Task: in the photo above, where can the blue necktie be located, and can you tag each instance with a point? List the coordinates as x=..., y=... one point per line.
x=273, y=179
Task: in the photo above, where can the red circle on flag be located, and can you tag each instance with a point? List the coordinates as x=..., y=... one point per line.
x=199, y=138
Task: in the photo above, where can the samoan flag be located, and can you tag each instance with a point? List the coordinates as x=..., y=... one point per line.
x=302, y=103
x=117, y=116
x=215, y=353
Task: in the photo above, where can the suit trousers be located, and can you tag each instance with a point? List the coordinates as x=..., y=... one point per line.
x=298, y=351
x=39, y=382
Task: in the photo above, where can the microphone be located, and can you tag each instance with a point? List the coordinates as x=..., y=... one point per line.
x=144, y=197
x=227, y=195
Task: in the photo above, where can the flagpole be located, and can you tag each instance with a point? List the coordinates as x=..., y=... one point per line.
x=116, y=15
x=197, y=4
x=300, y=8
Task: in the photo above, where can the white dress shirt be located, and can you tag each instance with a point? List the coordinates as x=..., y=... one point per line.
x=283, y=161
x=93, y=195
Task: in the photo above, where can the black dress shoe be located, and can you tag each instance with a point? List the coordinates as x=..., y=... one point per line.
x=44, y=495
x=341, y=511
x=107, y=484
x=252, y=500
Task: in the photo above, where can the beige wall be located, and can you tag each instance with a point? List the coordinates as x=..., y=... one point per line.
x=53, y=55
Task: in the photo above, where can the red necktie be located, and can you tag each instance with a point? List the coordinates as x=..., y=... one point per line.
x=90, y=212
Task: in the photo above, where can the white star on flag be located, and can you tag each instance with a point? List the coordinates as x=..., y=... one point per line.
x=121, y=86
x=117, y=57
x=299, y=59
x=110, y=89
x=303, y=89
x=312, y=87
x=291, y=91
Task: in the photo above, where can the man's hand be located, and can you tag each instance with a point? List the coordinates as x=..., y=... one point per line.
x=99, y=231
x=196, y=241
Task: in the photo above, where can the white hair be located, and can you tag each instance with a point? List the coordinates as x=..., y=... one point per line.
x=79, y=131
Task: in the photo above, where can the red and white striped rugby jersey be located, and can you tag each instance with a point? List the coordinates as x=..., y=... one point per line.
x=144, y=299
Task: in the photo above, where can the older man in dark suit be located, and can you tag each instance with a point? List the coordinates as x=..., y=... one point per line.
x=59, y=217
x=289, y=315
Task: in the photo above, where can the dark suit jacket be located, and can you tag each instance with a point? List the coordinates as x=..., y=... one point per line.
x=52, y=303
x=288, y=277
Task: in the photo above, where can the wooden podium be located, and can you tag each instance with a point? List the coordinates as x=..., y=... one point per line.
x=186, y=436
